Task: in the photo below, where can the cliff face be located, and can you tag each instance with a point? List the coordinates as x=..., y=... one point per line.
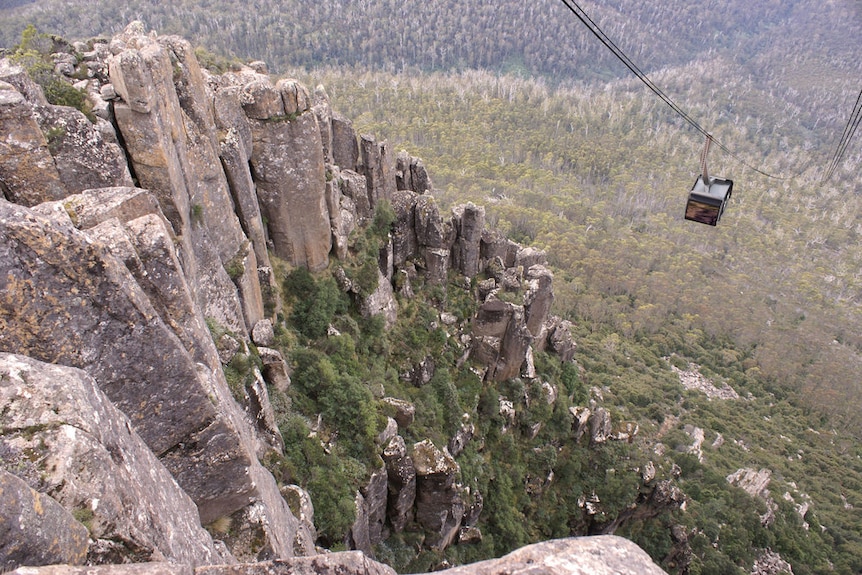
x=135, y=263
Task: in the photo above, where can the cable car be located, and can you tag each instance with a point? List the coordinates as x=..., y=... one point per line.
x=709, y=195
x=706, y=201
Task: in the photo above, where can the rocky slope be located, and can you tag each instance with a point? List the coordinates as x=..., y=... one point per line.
x=135, y=263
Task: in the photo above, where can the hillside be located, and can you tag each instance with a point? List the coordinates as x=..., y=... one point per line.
x=591, y=168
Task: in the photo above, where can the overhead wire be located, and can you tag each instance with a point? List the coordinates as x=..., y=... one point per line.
x=579, y=12
x=846, y=136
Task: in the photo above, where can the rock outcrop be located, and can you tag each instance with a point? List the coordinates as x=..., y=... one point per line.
x=92, y=314
x=135, y=265
x=604, y=555
x=72, y=444
x=34, y=528
x=439, y=503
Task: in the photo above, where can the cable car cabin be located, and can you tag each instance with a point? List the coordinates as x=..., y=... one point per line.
x=706, y=202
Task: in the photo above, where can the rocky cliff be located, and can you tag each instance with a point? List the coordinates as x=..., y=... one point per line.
x=136, y=262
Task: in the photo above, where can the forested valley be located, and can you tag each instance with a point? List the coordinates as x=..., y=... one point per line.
x=515, y=106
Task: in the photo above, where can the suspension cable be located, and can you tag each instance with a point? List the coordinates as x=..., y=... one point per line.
x=849, y=130
x=579, y=12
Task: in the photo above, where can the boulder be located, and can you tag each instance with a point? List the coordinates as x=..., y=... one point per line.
x=22, y=82
x=322, y=108
x=34, y=528
x=560, y=339
x=92, y=314
x=494, y=245
x=86, y=456
x=469, y=223
x=345, y=149
x=84, y=157
x=369, y=527
x=288, y=167
x=529, y=257
x=603, y=555
x=28, y=175
x=538, y=299
x=462, y=437
x=168, y=127
x=275, y=369
x=580, y=420
x=600, y=426
x=500, y=339
x=439, y=505
x=381, y=302
x=404, y=411
x=600, y=555
x=401, y=482
x=377, y=165
x=263, y=334
x=405, y=245
x=410, y=174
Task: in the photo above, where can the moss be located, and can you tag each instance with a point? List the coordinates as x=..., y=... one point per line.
x=235, y=267
x=197, y=214
x=84, y=516
x=54, y=136
x=220, y=526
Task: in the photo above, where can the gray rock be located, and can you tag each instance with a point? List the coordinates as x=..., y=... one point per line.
x=600, y=426
x=405, y=412
x=470, y=223
x=538, y=299
x=261, y=100
x=353, y=186
x=18, y=77
x=235, y=157
x=343, y=563
x=261, y=412
x=83, y=156
x=35, y=529
x=529, y=257
x=431, y=230
x=345, y=149
x=410, y=174
x=130, y=569
x=322, y=108
x=369, y=527
x=89, y=208
x=381, y=302
x=91, y=461
x=580, y=420
x=275, y=369
x=168, y=128
x=405, y=246
x=288, y=167
x=604, y=555
x=377, y=165
x=436, y=266
x=401, y=476
x=92, y=314
x=459, y=441
x=263, y=335
x=560, y=339
x=495, y=245
x=500, y=339
x=27, y=170
x=389, y=432
x=439, y=505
